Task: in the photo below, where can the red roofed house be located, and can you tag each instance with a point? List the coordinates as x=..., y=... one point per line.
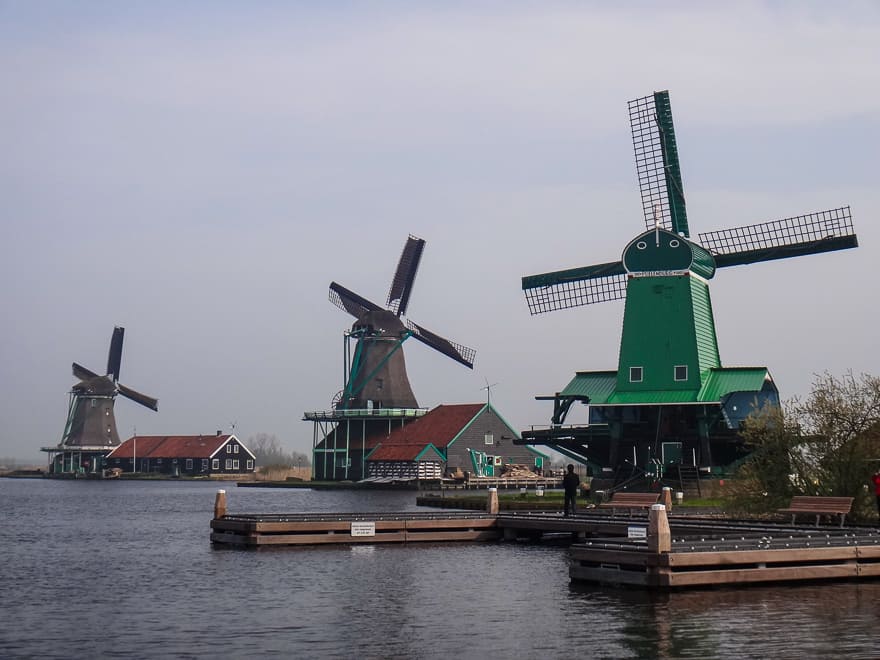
x=471, y=437
x=183, y=455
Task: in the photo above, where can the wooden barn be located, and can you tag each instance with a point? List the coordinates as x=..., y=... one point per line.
x=183, y=455
x=450, y=439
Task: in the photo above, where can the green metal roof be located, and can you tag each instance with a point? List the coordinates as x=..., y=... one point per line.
x=598, y=385
x=723, y=381
x=652, y=397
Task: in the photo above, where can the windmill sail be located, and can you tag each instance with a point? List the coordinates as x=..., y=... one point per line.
x=457, y=352
x=656, y=155
x=114, y=358
x=349, y=301
x=812, y=233
x=575, y=287
x=405, y=275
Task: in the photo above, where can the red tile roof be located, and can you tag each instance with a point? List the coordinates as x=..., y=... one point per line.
x=439, y=426
x=171, y=446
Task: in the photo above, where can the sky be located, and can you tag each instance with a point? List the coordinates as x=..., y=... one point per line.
x=199, y=172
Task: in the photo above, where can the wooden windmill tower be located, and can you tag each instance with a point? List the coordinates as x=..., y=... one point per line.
x=377, y=395
x=90, y=432
x=670, y=400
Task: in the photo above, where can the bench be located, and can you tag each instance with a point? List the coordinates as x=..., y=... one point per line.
x=630, y=501
x=818, y=506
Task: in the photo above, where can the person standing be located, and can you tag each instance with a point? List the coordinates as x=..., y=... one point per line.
x=876, y=481
x=570, y=483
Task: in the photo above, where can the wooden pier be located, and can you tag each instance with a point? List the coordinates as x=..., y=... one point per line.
x=653, y=551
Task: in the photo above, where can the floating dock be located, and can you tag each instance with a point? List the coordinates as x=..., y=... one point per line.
x=653, y=551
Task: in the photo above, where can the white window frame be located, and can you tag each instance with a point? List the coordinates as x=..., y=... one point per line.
x=489, y=439
x=234, y=449
x=675, y=373
x=189, y=464
x=234, y=463
x=250, y=464
x=228, y=464
x=215, y=464
x=636, y=370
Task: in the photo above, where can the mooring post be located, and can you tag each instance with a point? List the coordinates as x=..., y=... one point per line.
x=666, y=498
x=659, y=536
x=492, y=501
x=220, y=504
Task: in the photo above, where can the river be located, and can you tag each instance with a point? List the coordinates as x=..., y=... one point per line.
x=125, y=569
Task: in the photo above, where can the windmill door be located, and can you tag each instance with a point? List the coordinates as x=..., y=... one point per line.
x=671, y=452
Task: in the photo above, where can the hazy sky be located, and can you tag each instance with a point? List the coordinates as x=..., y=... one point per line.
x=199, y=172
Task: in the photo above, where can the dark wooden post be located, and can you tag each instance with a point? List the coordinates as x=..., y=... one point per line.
x=220, y=504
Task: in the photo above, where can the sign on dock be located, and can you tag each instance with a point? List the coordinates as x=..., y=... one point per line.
x=363, y=529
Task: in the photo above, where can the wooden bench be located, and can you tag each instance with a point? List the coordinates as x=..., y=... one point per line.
x=818, y=506
x=623, y=500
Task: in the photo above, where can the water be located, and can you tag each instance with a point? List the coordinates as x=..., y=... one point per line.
x=124, y=569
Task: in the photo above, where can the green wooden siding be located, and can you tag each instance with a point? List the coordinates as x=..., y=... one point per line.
x=658, y=335
x=704, y=328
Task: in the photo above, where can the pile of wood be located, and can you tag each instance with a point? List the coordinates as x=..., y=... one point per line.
x=514, y=471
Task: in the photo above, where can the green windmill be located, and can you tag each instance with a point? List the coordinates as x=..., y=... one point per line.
x=670, y=401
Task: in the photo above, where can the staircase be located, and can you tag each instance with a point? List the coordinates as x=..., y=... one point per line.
x=689, y=480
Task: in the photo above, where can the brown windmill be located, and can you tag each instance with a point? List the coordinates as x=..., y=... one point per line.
x=90, y=431
x=376, y=371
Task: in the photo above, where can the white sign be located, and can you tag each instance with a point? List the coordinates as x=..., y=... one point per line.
x=363, y=529
x=637, y=532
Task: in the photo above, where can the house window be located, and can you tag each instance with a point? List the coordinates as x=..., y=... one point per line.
x=489, y=439
x=250, y=464
x=636, y=374
x=189, y=464
x=234, y=449
x=158, y=461
x=681, y=372
x=228, y=449
x=215, y=464
x=204, y=465
x=228, y=463
x=235, y=464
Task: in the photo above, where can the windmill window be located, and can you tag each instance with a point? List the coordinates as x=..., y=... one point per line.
x=681, y=372
x=641, y=245
x=94, y=403
x=379, y=383
x=636, y=374
x=674, y=243
x=489, y=439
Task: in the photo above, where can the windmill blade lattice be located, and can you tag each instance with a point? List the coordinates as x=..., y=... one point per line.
x=575, y=287
x=114, y=358
x=457, y=352
x=82, y=373
x=812, y=233
x=405, y=275
x=657, y=163
x=137, y=397
x=349, y=301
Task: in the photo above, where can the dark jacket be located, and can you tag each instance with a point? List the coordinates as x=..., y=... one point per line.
x=570, y=482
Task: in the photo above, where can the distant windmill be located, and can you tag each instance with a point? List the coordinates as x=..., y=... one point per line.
x=670, y=388
x=90, y=419
x=376, y=372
